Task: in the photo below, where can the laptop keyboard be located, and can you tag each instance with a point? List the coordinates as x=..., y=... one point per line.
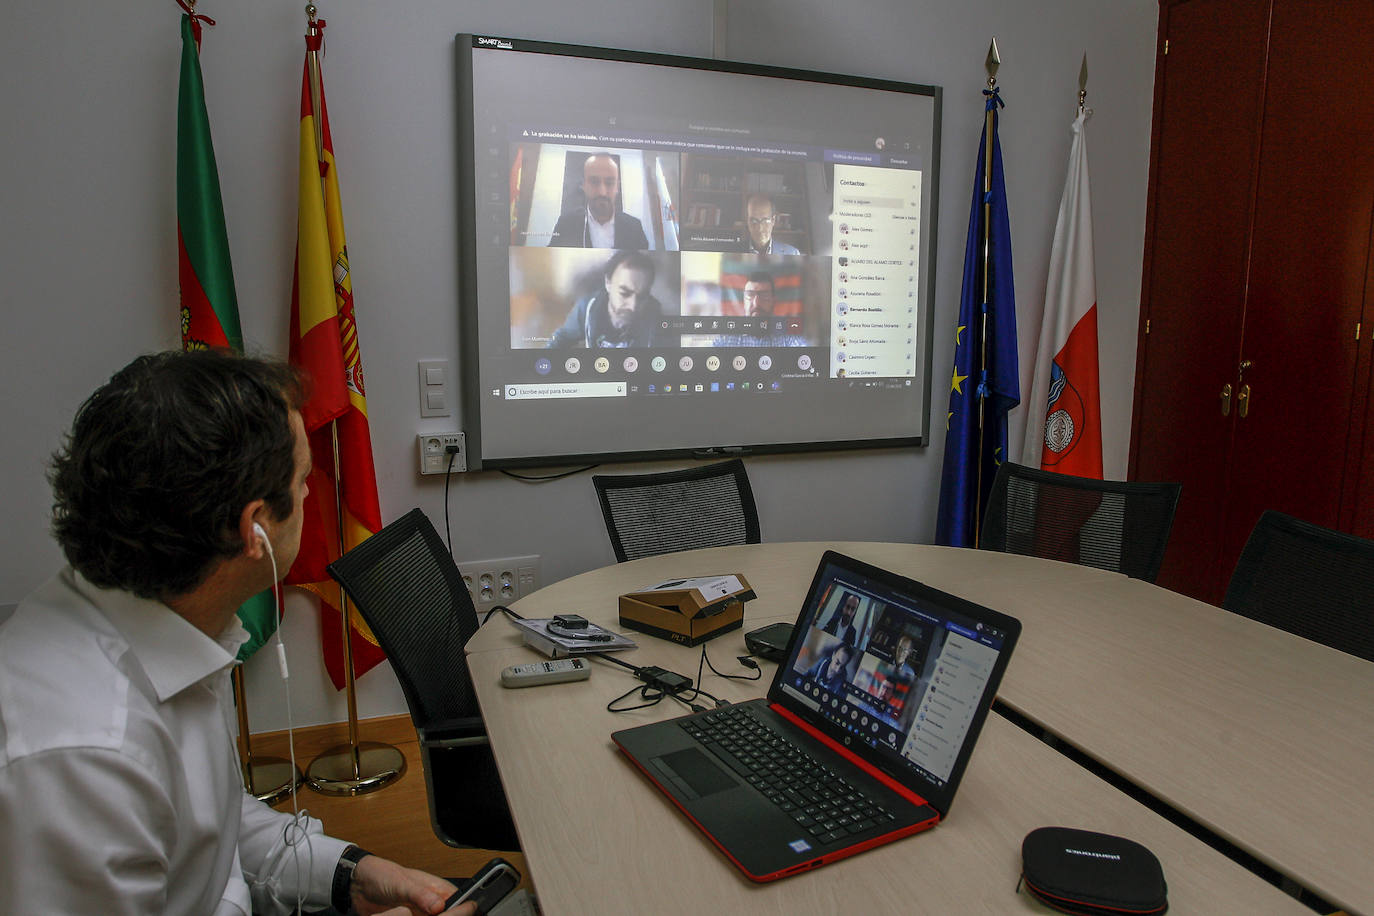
x=818, y=799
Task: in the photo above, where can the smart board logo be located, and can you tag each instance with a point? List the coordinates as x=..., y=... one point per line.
x=495, y=43
x=1093, y=855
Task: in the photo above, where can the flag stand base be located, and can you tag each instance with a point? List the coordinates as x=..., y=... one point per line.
x=279, y=777
x=344, y=770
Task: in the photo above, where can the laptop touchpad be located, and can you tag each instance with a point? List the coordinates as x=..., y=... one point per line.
x=693, y=773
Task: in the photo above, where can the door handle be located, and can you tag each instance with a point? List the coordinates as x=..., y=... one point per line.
x=1243, y=400
x=1226, y=400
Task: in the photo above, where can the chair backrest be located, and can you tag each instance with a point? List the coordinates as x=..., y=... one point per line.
x=404, y=584
x=1110, y=524
x=1308, y=580
x=649, y=514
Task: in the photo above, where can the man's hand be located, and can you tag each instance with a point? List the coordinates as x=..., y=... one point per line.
x=383, y=888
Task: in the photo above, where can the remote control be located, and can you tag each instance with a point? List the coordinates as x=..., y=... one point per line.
x=553, y=672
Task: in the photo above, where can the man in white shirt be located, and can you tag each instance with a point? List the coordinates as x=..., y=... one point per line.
x=119, y=785
x=601, y=224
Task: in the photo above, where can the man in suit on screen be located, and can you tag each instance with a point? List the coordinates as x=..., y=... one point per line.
x=601, y=223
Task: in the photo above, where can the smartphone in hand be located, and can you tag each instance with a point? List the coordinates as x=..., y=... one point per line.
x=488, y=887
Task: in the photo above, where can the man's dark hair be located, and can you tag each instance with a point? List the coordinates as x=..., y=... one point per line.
x=761, y=276
x=148, y=488
x=635, y=260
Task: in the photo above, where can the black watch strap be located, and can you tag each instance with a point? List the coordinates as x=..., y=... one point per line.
x=341, y=891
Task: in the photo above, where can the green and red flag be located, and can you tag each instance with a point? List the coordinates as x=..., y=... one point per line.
x=324, y=342
x=209, y=308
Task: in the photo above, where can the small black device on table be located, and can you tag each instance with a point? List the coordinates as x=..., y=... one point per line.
x=769, y=642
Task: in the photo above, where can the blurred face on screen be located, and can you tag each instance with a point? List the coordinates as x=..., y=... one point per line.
x=903, y=650
x=626, y=291
x=758, y=298
x=600, y=183
x=838, y=659
x=851, y=605
x=761, y=217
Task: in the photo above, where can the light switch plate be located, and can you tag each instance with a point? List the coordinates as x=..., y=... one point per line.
x=430, y=370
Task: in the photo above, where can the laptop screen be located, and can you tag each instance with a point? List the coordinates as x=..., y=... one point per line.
x=901, y=669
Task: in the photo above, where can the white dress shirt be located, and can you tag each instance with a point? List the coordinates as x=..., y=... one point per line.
x=600, y=235
x=120, y=789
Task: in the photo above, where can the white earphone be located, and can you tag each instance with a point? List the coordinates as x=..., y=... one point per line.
x=262, y=535
x=294, y=830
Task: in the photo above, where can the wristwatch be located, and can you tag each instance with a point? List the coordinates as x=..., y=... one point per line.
x=341, y=891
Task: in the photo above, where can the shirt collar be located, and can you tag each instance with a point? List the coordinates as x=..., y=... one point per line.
x=172, y=652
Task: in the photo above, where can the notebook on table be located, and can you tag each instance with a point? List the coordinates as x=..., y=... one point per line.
x=863, y=737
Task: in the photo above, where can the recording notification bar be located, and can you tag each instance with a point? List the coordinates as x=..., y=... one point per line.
x=547, y=391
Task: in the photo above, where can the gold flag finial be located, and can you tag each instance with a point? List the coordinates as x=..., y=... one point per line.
x=1083, y=84
x=992, y=63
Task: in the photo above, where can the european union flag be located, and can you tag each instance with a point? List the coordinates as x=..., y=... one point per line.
x=986, y=383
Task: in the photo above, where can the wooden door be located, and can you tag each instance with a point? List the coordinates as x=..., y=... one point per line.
x=1309, y=255
x=1208, y=93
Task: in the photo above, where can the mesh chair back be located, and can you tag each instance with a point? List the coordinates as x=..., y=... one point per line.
x=1117, y=525
x=649, y=514
x=404, y=584
x=1308, y=580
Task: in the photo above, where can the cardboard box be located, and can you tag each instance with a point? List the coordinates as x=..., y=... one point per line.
x=688, y=611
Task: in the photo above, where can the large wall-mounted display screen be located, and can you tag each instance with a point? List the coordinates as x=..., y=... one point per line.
x=664, y=255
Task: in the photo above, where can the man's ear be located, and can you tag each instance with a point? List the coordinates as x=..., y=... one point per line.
x=253, y=513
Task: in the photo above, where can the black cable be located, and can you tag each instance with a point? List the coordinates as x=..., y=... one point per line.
x=613, y=659
x=448, y=473
x=643, y=693
x=557, y=476
x=744, y=660
x=504, y=610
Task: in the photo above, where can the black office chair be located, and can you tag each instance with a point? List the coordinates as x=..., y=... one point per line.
x=1110, y=524
x=649, y=514
x=1308, y=580
x=404, y=584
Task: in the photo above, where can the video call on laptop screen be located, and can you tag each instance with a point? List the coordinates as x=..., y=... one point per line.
x=902, y=676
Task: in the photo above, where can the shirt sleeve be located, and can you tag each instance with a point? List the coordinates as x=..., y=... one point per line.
x=571, y=331
x=283, y=863
x=83, y=831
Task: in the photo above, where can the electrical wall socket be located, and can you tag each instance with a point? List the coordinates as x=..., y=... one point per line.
x=500, y=581
x=434, y=453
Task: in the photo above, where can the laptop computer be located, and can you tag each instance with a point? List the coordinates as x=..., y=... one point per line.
x=864, y=734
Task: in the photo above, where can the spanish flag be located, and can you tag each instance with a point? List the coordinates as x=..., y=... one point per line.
x=324, y=342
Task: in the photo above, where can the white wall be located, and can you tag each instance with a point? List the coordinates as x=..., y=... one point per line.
x=88, y=239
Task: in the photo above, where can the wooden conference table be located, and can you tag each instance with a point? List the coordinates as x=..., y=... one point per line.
x=1261, y=736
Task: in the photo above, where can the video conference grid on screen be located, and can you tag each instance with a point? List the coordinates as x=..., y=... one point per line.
x=585, y=274
x=643, y=256
x=897, y=678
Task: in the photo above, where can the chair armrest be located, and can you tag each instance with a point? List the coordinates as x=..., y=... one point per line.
x=453, y=732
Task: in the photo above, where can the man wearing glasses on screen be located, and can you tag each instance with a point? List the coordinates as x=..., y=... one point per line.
x=761, y=217
x=759, y=300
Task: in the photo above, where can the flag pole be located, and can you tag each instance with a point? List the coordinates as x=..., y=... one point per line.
x=358, y=767
x=269, y=779
x=994, y=59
